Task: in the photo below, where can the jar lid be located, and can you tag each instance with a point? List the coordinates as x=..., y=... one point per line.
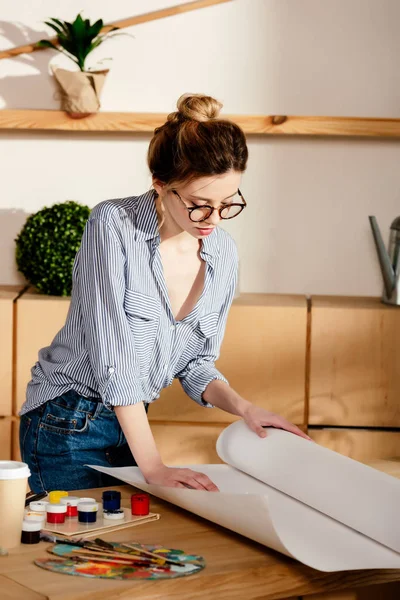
x=38, y=505
x=116, y=515
x=87, y=500
x=56, y=508
x=31, y=515
x=12, y=469
x=88, y=506
x=31, y=525
x=111, y=495
x=55, y=495
x=70, y=500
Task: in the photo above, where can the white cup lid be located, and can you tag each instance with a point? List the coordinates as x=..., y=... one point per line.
x=12, y=469
x=56, y=508
x=87, y=500
x=31, y=525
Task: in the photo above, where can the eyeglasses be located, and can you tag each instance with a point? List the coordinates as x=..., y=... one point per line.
x=202, y=213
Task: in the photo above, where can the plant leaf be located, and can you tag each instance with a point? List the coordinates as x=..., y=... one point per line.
x=46, y=44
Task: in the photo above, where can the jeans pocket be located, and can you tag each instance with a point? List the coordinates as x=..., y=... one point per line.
x=24, y=427
x=59, y=419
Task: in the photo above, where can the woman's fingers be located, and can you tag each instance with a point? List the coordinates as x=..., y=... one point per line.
x=197, y=481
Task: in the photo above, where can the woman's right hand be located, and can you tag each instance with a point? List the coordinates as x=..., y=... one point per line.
x=180, y=478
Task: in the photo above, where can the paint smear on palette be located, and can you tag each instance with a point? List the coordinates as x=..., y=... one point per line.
x=108, y=570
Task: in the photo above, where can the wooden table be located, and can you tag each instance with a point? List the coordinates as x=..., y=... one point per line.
x=236, y=567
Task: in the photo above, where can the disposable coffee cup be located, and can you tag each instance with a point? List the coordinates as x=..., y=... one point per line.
x=13, y=486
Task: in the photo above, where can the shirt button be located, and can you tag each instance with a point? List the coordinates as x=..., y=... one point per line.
x=111, y=370
x=172, y=327
x=165, y=367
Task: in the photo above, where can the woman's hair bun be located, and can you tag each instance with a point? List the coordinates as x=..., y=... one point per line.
x=197, y=107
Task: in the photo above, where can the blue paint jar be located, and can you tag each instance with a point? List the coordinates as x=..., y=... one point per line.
x=111, y=500
x=87, y=512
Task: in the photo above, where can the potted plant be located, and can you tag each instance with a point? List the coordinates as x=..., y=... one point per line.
x=80, y=89
x=47, y=245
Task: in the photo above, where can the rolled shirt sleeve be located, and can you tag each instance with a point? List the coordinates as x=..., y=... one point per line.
x=100, y=276
x=201, y=371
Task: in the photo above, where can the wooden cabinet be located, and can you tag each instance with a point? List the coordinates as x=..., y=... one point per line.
x=39, y=318
x=5, y=438
x=355, y=362
x=360, y=444
x=8, y=295
x=185, y=444
x=263, y=357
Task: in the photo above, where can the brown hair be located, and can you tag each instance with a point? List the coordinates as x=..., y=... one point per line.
x=193, y=142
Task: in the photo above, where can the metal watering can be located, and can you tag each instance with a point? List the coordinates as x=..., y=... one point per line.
x=389, y=260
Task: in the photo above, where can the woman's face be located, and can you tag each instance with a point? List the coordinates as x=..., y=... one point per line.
x=217, y=191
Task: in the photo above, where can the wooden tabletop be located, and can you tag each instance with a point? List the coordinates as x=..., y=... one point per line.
x=236, y=567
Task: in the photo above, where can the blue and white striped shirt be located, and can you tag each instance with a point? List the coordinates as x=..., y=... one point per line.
x=120, y=341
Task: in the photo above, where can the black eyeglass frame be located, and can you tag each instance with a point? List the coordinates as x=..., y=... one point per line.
x=190, y=209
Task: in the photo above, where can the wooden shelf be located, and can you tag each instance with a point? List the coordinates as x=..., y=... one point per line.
x=120, y=122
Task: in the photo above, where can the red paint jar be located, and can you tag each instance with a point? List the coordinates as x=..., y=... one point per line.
x=71, y=502
x=55, y=513
x=140, y=504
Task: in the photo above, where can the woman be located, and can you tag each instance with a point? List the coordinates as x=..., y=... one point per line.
x=153, y=282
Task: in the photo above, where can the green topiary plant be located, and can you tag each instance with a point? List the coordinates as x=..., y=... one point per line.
x=47, y=245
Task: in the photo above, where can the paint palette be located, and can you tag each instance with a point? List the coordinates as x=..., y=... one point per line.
x=72, y=527
x=74, y=565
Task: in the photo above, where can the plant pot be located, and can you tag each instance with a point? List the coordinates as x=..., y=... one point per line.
x=80, y=91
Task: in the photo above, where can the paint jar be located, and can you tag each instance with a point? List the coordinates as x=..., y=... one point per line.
x=114, y=515
x=38, y=506
x=55, y=495
x=55, y=513
x=87, y=512
x=71, y=502
x=111, y=500
x=140, y=504
x=31, y=515
x=30, y=532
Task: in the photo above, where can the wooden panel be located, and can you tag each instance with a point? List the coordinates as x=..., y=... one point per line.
x=185, y=444
x=39, y=318
x=7, y=296
x=15, y=453
x=355, y=362
x=262, y=356
x=114, y=122
x=389, y=591
x=5, y=438
x=362, y=445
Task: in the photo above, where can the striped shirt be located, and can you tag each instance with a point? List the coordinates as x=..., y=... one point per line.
x=121, y=342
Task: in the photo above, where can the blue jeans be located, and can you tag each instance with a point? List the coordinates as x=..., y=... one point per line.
x=63, y=435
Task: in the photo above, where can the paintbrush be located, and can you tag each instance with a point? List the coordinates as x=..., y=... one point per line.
x=119, y=555
x=139, y=548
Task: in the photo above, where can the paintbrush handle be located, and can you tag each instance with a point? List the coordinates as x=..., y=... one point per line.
x=119, y=555
x=104, y=560
x=141, y=550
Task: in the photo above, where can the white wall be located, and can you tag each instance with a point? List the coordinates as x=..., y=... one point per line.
x=306, y=228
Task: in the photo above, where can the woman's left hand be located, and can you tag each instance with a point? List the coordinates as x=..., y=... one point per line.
x=256, y=417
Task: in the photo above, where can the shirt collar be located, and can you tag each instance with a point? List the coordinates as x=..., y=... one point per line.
x=147, y=226
x=146, y=217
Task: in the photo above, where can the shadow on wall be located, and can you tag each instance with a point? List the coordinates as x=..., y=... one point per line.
x=11, y=223
x=34, y=87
